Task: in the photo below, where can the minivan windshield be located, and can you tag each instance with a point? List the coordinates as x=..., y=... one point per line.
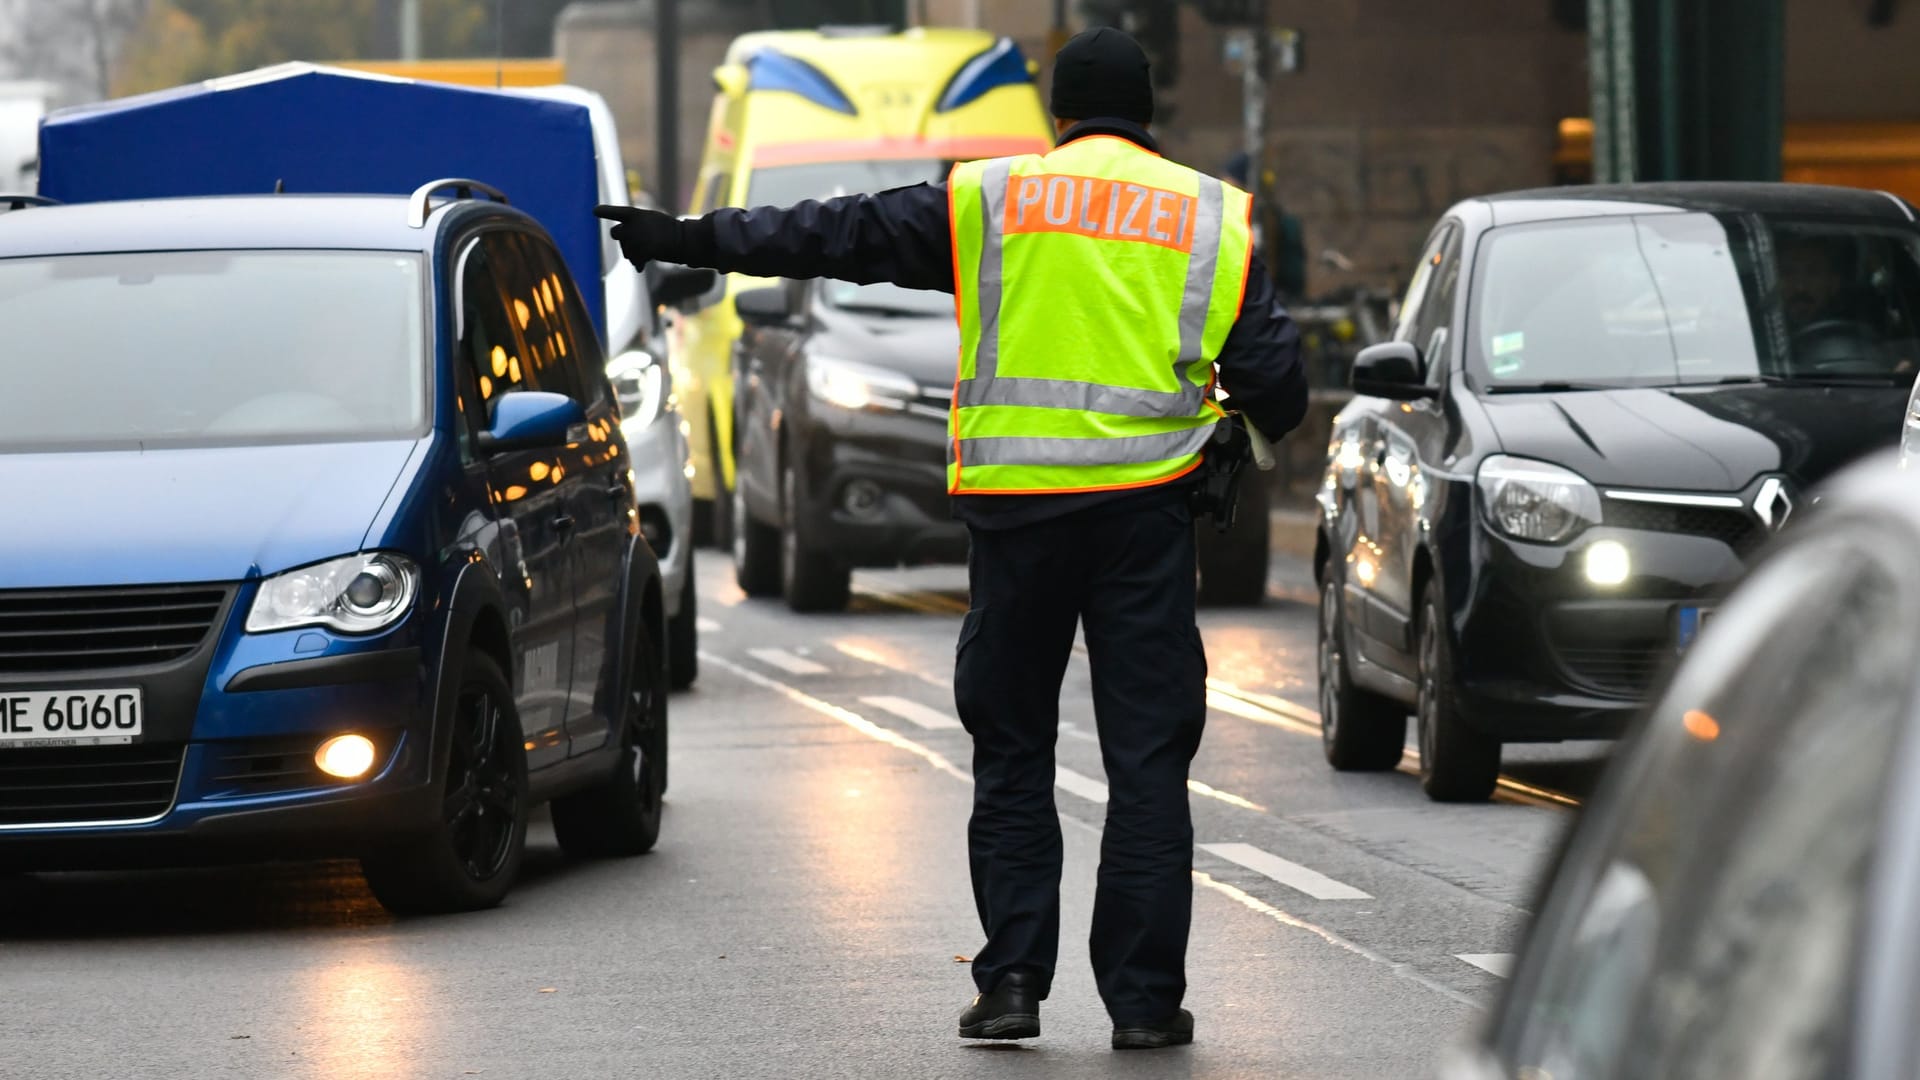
x=1696, y=298
x=784, y=185
x=204, y=348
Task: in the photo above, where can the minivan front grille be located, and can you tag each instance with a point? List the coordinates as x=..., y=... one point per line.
x=75, y=784
x=53, y=630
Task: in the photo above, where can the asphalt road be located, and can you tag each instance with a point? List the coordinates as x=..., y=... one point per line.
x=807, y=912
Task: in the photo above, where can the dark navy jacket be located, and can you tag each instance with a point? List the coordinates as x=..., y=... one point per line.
x=904, y=236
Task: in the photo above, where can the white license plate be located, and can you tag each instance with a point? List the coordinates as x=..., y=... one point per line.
x=70, y=717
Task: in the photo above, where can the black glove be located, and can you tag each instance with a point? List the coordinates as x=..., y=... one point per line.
x=644, y=235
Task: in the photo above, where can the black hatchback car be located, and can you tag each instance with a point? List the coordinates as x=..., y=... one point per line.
x=1597, y=402
x=841, y=429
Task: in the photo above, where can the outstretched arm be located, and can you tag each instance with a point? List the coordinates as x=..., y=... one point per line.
x=902, y=236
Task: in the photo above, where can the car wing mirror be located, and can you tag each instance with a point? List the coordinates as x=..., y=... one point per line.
x=771, y=305
x=1391, y=370
x=531, y=420
x=679, y=287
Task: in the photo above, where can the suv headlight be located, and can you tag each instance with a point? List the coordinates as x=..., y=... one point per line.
x=640, y=383
x=857, y=386
x=1532, y=500
x=356, y=594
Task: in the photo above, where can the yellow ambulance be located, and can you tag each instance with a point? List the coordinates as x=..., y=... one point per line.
x=814, y=114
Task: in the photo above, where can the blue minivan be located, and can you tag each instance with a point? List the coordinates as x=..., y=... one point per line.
x=323, y=544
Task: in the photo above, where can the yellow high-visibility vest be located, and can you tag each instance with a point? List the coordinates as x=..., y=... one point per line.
x=1094, y=286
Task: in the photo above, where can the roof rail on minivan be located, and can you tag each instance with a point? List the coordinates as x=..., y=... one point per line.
x=21, y=202
x=417, y=203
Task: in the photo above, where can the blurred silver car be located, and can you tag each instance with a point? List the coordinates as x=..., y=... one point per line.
x=650, y=420
x=1739, y=899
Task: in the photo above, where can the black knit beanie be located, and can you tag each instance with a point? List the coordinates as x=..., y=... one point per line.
x=1102, y=72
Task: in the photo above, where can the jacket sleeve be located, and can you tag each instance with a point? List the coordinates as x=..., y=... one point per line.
x=1260, y=364
x=903, y=236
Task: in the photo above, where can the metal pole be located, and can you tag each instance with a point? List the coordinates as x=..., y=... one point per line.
x=409, y=29
x=666, y=63
x=1253, y=91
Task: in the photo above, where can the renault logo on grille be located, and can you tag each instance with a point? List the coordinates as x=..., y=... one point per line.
x=1773, y=504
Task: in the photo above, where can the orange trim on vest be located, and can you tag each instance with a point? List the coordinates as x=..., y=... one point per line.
x=1100, y=208
x=960, y=321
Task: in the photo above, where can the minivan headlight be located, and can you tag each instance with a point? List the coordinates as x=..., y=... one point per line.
x=640, y=383
x=1532, y=500
x=356, y=594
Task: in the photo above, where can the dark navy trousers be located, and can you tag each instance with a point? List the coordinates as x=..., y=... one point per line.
x=1126, y=577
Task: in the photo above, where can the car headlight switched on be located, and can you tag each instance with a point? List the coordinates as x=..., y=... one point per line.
x=857, y=386
x=356, y=594
x=641, y=385
x=1532, y=500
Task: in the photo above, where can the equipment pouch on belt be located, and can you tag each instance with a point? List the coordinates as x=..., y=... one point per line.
x=1227, y=454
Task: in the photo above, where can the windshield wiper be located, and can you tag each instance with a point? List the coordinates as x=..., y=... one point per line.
x=1551, y=387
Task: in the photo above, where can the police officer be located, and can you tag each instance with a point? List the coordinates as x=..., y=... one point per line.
x=1098, y=287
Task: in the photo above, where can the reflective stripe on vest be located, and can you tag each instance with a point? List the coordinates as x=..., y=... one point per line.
x=1094, y=287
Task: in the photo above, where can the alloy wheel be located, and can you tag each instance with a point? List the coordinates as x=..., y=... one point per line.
x=1331, y=662
x=1428, y=711
x=482, y=801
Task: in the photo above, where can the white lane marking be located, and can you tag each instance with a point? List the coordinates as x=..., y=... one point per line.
x=913, y=712
x=1405, y=971
x=1291, y=874
x=891, y=663
x=846, y=716
x=874, y=731
x=707, y=626
x=1493, y=963
x=1079, y=784
x=1227, y=797
x=787, y=662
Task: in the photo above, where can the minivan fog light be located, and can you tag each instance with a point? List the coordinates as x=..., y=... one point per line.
x=1608, y=563
x=345, y=756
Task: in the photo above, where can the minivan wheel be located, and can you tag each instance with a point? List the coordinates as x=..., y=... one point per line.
x=720, y=510
x=1457, y=763
x=469, y=857
x=810, y=578
x=1359, y=731
x=756, y=550
x=683, y=637
x=621, y=815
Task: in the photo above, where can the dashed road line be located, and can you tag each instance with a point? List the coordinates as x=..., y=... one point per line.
x=787, y=662
x=1227, y=797
x=940, y=762
x=879, y=658
x=913, y=712
x=704, y=625
x=1079, y=784
x=846, y=716
x=1405, y=971
x=1291, y=874
x=1493, y=963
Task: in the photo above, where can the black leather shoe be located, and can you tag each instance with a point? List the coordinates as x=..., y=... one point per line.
x=1011, y=1011
x=1175, y=1030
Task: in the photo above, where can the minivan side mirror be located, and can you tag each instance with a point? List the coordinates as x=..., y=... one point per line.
x=1391, y=370
x=674, y=286
x=770, y=305
x=532, y=420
